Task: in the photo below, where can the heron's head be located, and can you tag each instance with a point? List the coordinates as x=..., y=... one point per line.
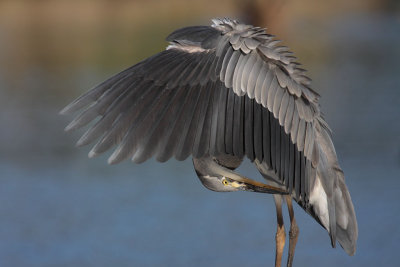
x=226, y=184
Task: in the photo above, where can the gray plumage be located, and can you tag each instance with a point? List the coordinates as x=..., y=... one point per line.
x=225, y=89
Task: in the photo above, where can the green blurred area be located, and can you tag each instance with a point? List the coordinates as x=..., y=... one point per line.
x=60, y=35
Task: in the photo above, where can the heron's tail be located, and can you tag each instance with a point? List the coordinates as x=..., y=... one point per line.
x=330, y=198
x=346, y=222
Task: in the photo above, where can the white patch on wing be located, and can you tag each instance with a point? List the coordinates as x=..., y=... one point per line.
x=187, y=48
x=319, y=202
x=341, y=209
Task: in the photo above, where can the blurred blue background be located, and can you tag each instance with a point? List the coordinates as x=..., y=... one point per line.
x=58, y=208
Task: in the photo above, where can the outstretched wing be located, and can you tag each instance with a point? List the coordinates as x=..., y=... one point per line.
x=225, y=89
x=222, y=89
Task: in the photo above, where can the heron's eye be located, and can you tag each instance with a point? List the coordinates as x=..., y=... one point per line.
x=225, y=182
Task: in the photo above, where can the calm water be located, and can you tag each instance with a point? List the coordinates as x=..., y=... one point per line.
x=58, y=208
x=87, y=214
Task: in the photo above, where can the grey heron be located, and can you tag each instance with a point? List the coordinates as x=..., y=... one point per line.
x=220, y=93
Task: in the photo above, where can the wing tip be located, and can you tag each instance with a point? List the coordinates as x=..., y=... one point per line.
x=92, y=154
x=111, y=160
x=351, y=251
x=66, y=110
x=70, y=108
x=82, y=142
x=115, y=157
x=71, y=126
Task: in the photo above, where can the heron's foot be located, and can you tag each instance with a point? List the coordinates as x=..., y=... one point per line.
x=280, y=244
x=293, y=236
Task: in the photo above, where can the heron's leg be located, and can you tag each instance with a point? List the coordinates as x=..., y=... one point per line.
x=280, y=232
x=293, y=233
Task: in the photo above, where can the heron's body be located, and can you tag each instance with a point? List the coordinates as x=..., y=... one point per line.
x=220, y=93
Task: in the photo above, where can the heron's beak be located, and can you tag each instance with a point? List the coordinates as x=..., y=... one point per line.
x=246, y=184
